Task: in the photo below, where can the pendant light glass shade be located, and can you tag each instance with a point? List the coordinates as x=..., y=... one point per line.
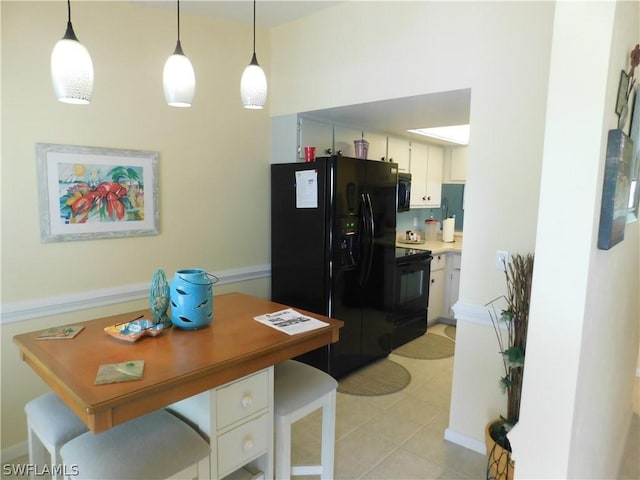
x=253, y=84
x=71, y=68
x=178, y=77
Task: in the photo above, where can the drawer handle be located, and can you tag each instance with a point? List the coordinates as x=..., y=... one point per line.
x=247, y=444
x=247, y=400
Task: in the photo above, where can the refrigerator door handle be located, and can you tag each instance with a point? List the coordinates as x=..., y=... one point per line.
x=369, y=234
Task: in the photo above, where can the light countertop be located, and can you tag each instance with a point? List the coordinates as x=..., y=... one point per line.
x=436, y=246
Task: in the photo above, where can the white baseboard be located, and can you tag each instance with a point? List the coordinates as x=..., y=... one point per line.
x=41, y=307
x=464, y=441
x=14, y=452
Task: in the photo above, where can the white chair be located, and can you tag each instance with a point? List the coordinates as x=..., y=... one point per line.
x=50, y=424
x=299, y=390
x=155, y=446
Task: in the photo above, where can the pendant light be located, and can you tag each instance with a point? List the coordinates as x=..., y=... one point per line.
x=178, y=77
x=253, y=85
x=71, y=68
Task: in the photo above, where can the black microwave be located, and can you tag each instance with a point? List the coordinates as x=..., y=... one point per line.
x=404, y=191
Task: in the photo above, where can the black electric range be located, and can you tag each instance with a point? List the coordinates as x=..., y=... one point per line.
x=412, y=278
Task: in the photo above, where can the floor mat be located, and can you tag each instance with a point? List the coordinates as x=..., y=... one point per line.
x=380, y=378
x=450, y=331
x=427, y=347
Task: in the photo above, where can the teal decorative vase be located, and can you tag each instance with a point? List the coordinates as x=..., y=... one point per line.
x=191, y=293
x=159, y=298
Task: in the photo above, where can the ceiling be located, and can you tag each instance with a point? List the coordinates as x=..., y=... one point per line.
x=397, y=115
x=393, y=116
x=269, y=13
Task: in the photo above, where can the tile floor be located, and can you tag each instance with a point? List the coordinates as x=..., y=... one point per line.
x=401, y=436
x=397, y=436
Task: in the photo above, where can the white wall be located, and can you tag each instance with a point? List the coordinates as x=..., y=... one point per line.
x=587, y=335
x=213, y=162
x=367, y=51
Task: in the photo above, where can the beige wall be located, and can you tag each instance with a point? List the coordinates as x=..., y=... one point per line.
x=587, y=336
x=499, y=50
x=213, y=161
x=502, y=51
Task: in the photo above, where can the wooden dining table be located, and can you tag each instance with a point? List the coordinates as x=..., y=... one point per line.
x=177, y=363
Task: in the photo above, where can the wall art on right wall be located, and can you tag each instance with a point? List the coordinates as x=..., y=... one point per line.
x=615, y=193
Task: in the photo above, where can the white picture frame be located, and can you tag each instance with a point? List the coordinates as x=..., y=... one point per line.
x=88, y=193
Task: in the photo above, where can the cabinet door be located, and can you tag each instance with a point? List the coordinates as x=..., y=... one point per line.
x=453, y=287
x=459, y=164
x=315, y=134
x=434, y=176
x=377, y=145
x=343, y=141
x=436, y=296
x=399, y=151
x=419, y=165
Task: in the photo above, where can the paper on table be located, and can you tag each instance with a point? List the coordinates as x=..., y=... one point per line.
x=119, y=372
x=290, y=322
x=306, y=189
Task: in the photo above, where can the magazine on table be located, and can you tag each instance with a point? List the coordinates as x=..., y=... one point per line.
x=290, y=322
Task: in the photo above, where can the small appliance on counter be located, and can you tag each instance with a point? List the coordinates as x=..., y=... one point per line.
x=431, y=229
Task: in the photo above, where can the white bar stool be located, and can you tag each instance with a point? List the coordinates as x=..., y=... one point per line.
x=50, y=424
x=155, y=446
x=299, y=390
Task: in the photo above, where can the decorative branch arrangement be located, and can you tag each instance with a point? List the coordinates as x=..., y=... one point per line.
x=511, y=330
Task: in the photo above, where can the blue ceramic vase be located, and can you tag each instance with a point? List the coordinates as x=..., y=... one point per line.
x=191, y=299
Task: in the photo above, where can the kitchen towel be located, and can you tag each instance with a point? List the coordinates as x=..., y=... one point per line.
x=448, y=227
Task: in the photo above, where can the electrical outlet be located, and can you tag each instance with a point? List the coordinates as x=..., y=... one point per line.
x=502, y=259
x=415, y=221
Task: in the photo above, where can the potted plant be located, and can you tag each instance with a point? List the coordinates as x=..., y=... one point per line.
x=510, y=327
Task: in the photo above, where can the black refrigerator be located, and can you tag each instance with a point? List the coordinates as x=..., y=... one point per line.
x=333, y=227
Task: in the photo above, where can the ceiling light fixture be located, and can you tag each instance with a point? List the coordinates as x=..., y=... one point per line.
x=253, y=85
x=456, y=133
x=71, y=68
x=178, y=77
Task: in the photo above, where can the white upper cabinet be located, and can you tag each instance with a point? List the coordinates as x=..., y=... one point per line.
x=434, y=176
x=455, y=165
x=377, y=146
x=343, y=141
x=399, y=151
x=426, y=175
x=314, y=134
x=419, y=166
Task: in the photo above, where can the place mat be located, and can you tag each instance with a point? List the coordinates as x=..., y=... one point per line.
x=427, y=347
x=380, y=378
x=450, y=331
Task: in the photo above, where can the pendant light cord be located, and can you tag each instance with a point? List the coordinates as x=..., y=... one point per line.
x=69, y=11
x=254, y=27
x=178, y=20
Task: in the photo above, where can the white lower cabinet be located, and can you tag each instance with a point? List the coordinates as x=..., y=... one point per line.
x=238, y=420
x=445, y=286
x=436, y=288
x=453, y=283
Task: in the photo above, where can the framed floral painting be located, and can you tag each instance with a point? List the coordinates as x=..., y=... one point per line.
x=90, y=192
